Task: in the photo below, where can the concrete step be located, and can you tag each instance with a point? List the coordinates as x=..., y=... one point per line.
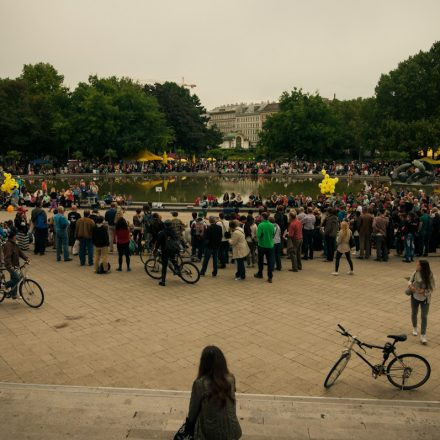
x=52, y=412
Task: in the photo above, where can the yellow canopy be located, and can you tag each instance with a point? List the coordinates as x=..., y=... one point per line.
x=183, y=160
x=147, y=156
x=431, y=161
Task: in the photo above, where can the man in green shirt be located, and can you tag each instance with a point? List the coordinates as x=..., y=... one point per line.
x=265, y=235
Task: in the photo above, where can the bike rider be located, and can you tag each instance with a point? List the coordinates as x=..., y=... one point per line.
x=12, y=254
x=169, y=245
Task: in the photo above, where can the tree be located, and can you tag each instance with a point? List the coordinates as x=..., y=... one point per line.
x=112, y=113
x=186, y=116
x=305, y=127
x=408, y=103
x=110, y=154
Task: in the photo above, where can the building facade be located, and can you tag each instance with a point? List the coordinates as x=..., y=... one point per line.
x=241, y=124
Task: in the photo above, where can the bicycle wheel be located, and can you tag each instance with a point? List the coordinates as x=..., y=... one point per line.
x=189, y=273
x=2, y=287
x=32, y=293
x=336, y=370
x=408, y=371
x=143, y=253
x=153, y=267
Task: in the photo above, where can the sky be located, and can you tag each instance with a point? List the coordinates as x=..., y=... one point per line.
x=233, y=50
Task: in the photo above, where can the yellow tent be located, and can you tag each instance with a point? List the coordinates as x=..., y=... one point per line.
x=147, y=156
x=165, y=158
x=431, y=161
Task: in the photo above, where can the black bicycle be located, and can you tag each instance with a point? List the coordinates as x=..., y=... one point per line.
x=189, y=272
x=405, y=371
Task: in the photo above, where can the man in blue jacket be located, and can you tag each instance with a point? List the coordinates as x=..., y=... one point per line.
x=61, y=224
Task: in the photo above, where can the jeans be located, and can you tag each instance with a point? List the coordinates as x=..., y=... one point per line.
x=241, y=270
x=123, y=249
x=268, y=253
x=41, y=235
x=409, y=247
x=208, y=253
x=381, y=248
x=338, y=259
x=424, y=307
x=224, y=253
x=277, y=248
x=424, y=244
x=62, y=244
x=165, y=259
x=13, y=283
x=308, y=243
x=330, y=247
x=85, y=244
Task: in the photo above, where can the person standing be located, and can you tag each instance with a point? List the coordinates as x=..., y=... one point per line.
x=168, y=243
x=380, y=226
x=178, y=226
x=265, y=235
x=212, y=408
x=198, y=232
x=100, y=242
x=122, y=234
x=62, y=240
x=277, y=245
x=365, y=228
x=308, y=223
x=409, y=230
x=343, y=247
x=213, y=239
x=41, y=229
x=73, y=217
x=138, y=220
x=424, y=232
x=294, y=241
x=421, y=285
x=110, y=217
x=331, y=227
x=83, y=232
x=224, y=246
x=240, y=249
x=22, y=227
x=12, y=254
x=250, y=232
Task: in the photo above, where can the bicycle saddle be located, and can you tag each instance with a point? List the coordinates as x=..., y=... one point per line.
x=397, y=337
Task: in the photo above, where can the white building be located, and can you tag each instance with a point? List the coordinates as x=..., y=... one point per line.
x=241, y=124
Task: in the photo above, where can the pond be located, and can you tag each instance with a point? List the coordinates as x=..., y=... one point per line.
x=185, y=189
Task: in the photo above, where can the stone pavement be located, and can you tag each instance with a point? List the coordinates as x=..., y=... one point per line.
x=34, y=412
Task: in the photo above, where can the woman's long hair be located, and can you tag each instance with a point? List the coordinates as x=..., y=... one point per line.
x=213, y=366
x=121, y=223
x=344, y=229
x=426, y=274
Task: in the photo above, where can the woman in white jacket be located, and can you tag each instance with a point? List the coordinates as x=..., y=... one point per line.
x=240, y=249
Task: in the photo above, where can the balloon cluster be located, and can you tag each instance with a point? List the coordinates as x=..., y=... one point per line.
x=9, y=184
x=328, y=184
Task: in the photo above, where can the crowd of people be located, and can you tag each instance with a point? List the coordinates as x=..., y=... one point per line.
x=209, y=165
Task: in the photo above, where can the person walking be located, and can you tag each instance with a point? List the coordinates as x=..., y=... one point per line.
x=213, y=239
x=122, y=235
x=421, y=285
x=110, y=218
x=380, y=226
x=294, y=241
x=41, y=229
x=343, y=247
x=365, y=228
x=240, y=249
x=61, y=225
x=212, y=408
x=331, y=227
x=169, y=245
x=100, y=240
x=83, y=232
x=12, y=254
x=265, y=236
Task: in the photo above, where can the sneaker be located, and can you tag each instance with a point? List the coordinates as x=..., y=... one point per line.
x=68, y=259
x=350, y=272
x=257, y=275
x=128, y=269
x=293, y=270
x=269, y=280
x=414, y=331
x=238, y=279
x=335, y=273
x=119, y=269
x=423, y=339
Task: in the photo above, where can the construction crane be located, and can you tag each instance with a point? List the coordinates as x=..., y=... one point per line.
x=188, y=86
x=154, y=81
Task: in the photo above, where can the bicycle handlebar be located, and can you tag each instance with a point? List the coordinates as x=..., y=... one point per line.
x=358, y=341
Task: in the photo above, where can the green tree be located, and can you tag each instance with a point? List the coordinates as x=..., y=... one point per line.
x=408, y=103
x=186, y=116
x=305, y=126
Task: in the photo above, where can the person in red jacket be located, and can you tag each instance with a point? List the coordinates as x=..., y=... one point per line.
x=122, y=234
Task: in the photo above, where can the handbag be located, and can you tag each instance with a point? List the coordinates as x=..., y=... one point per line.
x=408, y=291
x=181, y=433
x=352, y=243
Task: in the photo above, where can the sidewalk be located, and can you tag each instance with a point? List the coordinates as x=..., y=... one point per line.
x=43, y=412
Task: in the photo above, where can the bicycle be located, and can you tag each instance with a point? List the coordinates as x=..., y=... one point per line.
x=399, y=371
x=187, y=271
x=29, y=290
x=145, y=252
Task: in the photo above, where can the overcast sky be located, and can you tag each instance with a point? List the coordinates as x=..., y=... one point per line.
x=233, y=50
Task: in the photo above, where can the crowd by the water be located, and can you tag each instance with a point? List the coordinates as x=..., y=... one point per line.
x=352, y=168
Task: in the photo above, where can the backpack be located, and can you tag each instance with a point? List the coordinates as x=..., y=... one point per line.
x=172, y=246
x=40, y=222
x=199, y=228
